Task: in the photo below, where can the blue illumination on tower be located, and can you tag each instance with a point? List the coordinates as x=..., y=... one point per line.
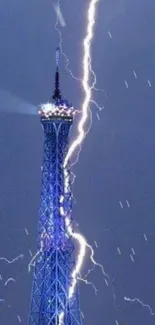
x=55, y=256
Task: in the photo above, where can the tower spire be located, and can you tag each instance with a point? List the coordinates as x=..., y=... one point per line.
x=57, y=94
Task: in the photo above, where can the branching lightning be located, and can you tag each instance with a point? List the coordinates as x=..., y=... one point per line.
x=141, y=303
x=13, y=260
x=60, y=44
x=89, y=283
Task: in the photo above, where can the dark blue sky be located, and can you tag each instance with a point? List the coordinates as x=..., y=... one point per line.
x=117, y=161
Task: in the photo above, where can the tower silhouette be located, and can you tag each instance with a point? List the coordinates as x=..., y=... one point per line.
x=55, y=258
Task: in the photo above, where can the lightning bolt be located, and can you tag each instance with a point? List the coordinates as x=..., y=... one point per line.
x=141, y=303
x=87, y=71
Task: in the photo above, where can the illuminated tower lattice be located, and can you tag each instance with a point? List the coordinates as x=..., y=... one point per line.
x=55, y=256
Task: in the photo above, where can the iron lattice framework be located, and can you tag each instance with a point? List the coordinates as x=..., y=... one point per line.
x=55, y=257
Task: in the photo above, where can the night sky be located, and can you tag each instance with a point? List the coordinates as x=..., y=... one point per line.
x=115, y=175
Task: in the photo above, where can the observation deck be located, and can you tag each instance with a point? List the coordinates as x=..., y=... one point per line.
x=58, y=110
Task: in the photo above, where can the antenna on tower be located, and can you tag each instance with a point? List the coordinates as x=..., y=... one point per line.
x=57, y=94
